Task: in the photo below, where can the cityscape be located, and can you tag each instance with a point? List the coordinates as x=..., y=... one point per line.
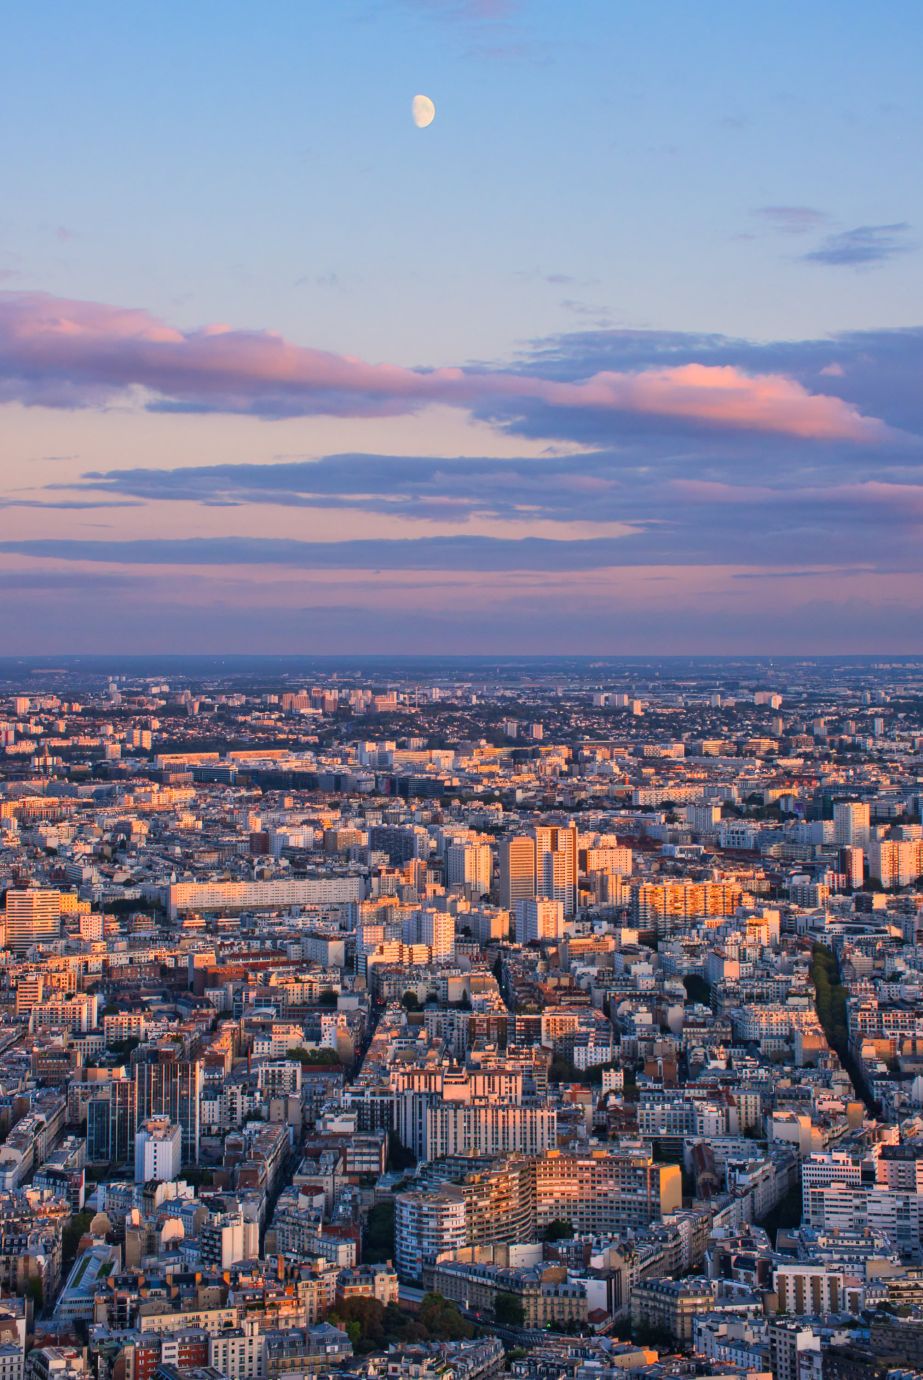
x=535, y=1018
x=461, y=690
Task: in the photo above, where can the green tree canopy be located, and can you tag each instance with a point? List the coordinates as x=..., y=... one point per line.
x=508, y=1310
x=558, y=1230
x=379, y=1232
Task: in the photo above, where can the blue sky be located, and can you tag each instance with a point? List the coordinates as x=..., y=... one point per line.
x=599, y=172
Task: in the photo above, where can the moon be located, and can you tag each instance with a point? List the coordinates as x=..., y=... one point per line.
x=423, y=111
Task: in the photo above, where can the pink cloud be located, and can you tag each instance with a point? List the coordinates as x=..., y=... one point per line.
x=905, y=500
x=62, y=353
x=721, y=395
x=902, y=500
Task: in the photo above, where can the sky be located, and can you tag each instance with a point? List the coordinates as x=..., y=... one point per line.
x=622, y=354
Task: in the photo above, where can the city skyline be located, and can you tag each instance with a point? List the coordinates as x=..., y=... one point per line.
x=449, y=1018
x=620, y=354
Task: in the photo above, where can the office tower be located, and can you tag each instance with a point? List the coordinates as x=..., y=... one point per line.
x=111, y=1121
x=851, y=821
x=158, y=1152
x=171, y=1087
x=228, y=1238
x=556, y=865
x=555, y=881
x=469, y=864
x=399, y=843
x=425, y=1225
x=896, y=862
x=435, y=928
x=703, y=819
x=667, y=906
x=606, y=858
x=539, y=920
x=606, y=1192
x=492, y=1127
x=92, y=927
x=852, y=865
x=33, y=916
x=517, y=870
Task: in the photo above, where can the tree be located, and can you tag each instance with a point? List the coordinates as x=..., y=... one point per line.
x=77, y=1227
x=410, y=1001
x=401, y=1326
x=36, y=1293
x=399, y=1157
x=197, y=1175
x=830, y=1001
x=379, y=1232
x=327, y=998
x=323, y=1055
x=563, y=1070
x=558, y=1230
x=594, y=1073
x=508, y=1310
x=443, y=1321
x=363, y=1321
x=371, y=1326
x=658, y=1337
x=697, y=989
